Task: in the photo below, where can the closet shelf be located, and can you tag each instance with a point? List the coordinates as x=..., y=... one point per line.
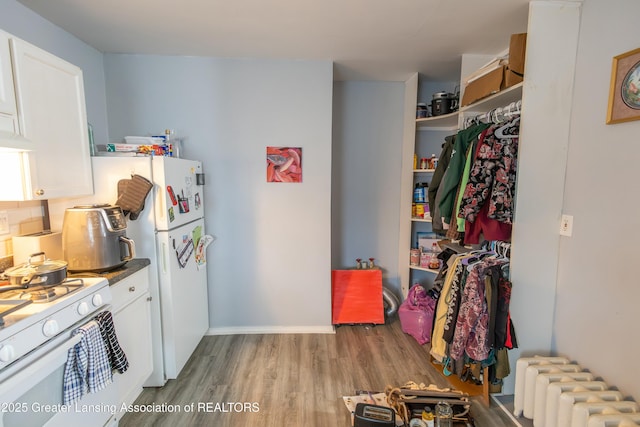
x=424, y=170
x=422, y=219
x=443, y=122
x=499, y=99
x=450, y=121
x=430, y=270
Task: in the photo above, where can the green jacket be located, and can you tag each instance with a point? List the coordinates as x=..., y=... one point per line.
x=456, y=166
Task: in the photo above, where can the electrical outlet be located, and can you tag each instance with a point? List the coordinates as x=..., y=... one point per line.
x=4, y=222
x=566, y=225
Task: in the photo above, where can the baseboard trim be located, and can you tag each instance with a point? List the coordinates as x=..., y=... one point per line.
x=507, y=410
x=248, y=330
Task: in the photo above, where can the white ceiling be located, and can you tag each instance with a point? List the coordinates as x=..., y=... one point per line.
x=366, y=39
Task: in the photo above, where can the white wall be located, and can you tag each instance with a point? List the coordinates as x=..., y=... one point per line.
x=367, y=137
x=542, y=157
x=596, y=315
x=269, y=269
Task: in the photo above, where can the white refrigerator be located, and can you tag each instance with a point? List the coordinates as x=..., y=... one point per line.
x=170, y=232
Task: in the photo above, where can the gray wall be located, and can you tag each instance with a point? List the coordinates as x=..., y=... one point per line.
x=269, y=269
x=596, y=316
x=367, y=141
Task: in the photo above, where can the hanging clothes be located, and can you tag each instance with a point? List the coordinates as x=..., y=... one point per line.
x=443, y=164
x=438, y=344
x=456, y=165
x=456, y=226
x=493, y=175
x=488, y=199
x=472, y=327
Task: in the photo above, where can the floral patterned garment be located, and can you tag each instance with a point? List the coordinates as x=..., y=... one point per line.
x=493, y=174
x=472, y=325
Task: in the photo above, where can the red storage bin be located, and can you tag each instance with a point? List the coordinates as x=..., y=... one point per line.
x=357, y=296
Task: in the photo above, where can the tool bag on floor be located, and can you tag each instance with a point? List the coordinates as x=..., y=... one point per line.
x=412, y=397
x=416, y=314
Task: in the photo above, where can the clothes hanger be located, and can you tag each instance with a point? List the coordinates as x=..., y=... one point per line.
x=499, y=133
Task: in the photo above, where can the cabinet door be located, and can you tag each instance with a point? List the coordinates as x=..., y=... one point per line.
x=8, y=113
x=133, y=327
x=52, y=115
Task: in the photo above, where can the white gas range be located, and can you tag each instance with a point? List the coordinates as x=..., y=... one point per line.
x=35, y=336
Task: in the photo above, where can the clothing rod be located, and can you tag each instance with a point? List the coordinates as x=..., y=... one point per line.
x=496, y=115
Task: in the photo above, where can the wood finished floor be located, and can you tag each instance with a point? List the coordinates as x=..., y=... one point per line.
x=296, y=380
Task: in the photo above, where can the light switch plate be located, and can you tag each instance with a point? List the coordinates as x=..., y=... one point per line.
x=566, y=225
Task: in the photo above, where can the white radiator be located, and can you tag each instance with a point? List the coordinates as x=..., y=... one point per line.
x=583, y=411
x=542, y=383
x=521, y=367
x=530, y=376
x=556, y=391
x=568, y=399
x=615, y=420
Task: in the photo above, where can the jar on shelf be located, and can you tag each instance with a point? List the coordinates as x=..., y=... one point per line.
x=419, y=193
x=422, y=111
x=424, y=164
x=424, y=259
x=434, y=261
x=432, y=162
x=414, y=258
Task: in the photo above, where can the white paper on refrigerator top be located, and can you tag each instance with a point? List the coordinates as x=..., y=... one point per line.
x=176, y=177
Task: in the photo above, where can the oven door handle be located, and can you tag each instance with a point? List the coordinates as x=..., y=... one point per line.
x=23, y=381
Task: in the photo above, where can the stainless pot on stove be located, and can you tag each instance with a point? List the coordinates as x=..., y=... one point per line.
x=37, y=271
x=94, y=238
x=443, y=103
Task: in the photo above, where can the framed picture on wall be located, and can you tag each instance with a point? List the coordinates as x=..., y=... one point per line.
x=624, y=92
x=284, y=164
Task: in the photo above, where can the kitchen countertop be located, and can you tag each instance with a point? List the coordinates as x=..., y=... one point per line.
x=114, y=276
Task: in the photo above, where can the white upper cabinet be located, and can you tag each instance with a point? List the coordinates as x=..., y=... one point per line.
x=8, y=110
x=52, y=116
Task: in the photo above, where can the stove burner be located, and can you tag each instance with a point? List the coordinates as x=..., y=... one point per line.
x=46, y=293
x=43, y=295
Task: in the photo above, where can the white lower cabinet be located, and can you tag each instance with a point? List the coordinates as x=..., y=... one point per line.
x=132, y=321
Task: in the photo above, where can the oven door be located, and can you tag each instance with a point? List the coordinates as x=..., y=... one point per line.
x=31, y=393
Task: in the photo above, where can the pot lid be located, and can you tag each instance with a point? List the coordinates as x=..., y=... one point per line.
x=33, y=266
x=440, y=95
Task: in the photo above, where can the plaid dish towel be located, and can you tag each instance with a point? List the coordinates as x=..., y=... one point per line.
x=87, y=369
x=117, y=358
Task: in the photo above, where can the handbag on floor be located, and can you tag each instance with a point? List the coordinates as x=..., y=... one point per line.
x=416, y=314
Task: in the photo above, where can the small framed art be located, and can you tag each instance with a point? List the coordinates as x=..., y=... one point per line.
x=624, y=92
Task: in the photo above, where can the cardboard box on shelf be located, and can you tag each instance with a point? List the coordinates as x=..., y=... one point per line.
x=514, y=72
x=484, y=86
x=502, y=72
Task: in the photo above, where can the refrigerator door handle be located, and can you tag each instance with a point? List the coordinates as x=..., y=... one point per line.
x=164, y=258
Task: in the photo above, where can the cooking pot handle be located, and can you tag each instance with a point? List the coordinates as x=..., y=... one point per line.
x=131, y=247
x=36, y=255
